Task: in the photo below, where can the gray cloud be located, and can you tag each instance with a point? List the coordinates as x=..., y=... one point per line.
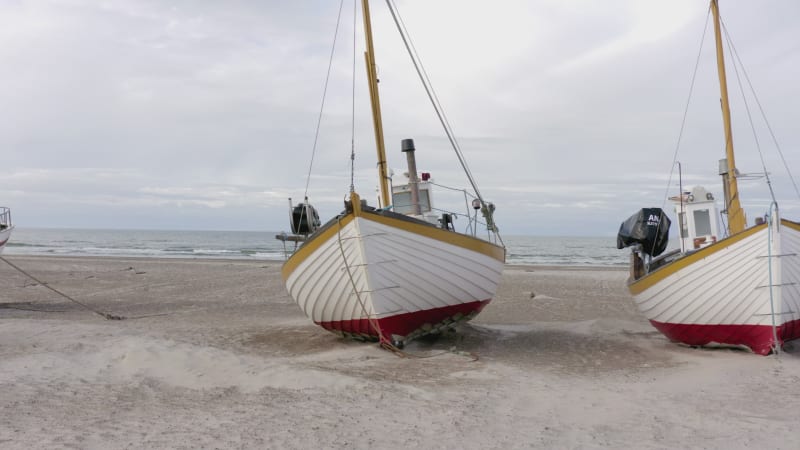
x=201, y=115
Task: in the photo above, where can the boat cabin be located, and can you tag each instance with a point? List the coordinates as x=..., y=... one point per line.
x=414, y=197
x=5, y=218
x=698, y=218
x=402, y=203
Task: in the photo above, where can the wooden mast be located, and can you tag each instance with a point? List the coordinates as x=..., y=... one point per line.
x=736, y=219
x=372, y=77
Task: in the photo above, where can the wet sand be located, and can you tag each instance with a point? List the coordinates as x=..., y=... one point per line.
x=214, y=354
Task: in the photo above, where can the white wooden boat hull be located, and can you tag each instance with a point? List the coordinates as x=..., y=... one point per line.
x=5, y=235
x=5, y=227
x=722, y=294
x=382, y=276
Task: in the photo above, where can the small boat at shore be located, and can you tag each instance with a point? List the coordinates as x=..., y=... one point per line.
x=398, y=270
x=734, y=287
x=6, y=226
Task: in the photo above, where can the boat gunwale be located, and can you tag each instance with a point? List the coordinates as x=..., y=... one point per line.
x=397, y=220
x=649, y=280
x=791, y=224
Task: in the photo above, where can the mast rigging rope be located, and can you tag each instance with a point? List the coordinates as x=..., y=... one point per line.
x=353, y=104
x=747, y=107
x=683, y=121
x=426, y=83
x=763, y=115
x=324, y=95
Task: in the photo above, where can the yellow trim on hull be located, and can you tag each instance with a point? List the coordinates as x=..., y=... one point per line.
x=460, y=240
x=647, y=281
x=456, y=239
x=310, y=246
x=793, y=225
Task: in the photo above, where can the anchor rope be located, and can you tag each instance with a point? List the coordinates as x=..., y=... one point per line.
x=384, y=343
x=42, y=283
x=370, y=319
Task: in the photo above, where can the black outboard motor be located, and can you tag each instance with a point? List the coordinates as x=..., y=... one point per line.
x=648, y=227
x=305, y=219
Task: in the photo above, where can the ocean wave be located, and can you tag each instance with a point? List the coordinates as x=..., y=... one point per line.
x=522, y=250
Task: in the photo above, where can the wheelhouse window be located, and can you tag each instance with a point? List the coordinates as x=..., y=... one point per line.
x=401, y=201
x=702, y=222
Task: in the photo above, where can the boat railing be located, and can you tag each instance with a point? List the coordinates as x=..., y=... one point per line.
x=471, y=213
x=5, y=217
x=472, y=221
x=665, y=259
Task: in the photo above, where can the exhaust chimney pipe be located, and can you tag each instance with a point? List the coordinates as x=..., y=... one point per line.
x=407, y=147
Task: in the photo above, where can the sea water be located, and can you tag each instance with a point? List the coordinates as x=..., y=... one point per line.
x=262, y=245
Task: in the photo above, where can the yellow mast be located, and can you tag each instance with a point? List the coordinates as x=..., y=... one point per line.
x=736, y=219
x=372, y=76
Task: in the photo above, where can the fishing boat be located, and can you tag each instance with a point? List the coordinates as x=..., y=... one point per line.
x=399, y=269
x=734, y=287
x=5, y=226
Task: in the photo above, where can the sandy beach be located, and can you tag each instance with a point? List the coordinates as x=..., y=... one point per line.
x=214, y=354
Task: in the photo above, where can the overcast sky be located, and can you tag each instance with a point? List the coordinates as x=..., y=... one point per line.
x=141, y=114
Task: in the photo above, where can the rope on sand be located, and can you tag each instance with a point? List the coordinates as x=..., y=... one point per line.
x=384, y=342
x=100, y=313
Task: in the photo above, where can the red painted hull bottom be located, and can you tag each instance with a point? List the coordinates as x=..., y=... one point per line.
x=758, y=338
x=405, y=326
